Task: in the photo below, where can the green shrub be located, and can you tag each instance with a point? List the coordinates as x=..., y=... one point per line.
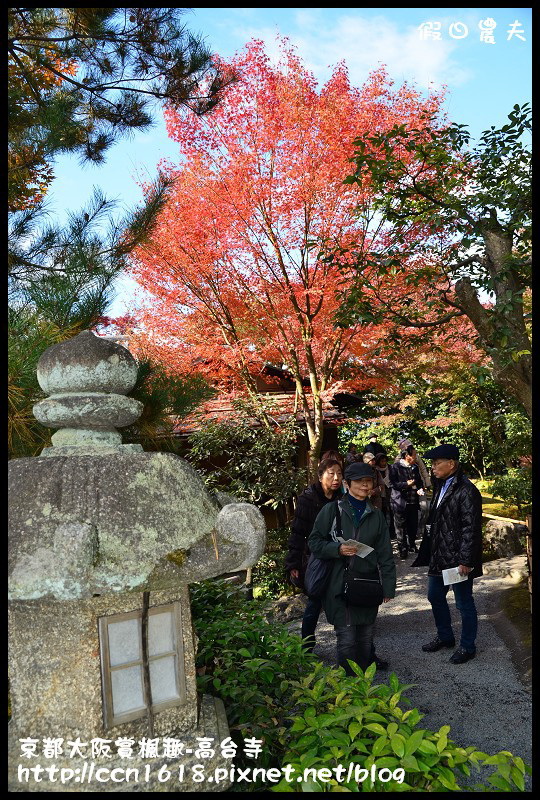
x=276, y=539
x=311, y=716
x=515, y=487
x=248, y=662
x=269, y=579
x=268, y=575
x=260, y=464
x=340, y=720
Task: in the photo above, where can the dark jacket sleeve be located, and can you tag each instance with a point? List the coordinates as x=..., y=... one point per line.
x=471, y=525
x=301, y=526
x=418, y=482
x=396, y=479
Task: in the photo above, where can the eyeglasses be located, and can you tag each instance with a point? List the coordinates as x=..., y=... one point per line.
x=440, y=461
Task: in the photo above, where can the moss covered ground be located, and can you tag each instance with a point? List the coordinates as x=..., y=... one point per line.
x=517, y=608
x=493, y=505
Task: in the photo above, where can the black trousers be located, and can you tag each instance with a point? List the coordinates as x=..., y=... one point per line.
x=406, y=523
x=309, y=625
x=354, y=642
x=389, y=517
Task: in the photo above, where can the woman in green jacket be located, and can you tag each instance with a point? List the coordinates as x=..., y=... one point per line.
x=360, y=520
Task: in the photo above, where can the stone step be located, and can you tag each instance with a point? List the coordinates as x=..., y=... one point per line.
x=514, y=568
x=503, y=519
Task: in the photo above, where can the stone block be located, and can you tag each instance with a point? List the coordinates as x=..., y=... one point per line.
x=505, y=538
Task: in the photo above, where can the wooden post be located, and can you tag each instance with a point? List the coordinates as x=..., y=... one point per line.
x=529, y=554
x=249, y=584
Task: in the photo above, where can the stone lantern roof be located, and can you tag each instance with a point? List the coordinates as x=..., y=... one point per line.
x=94, y=516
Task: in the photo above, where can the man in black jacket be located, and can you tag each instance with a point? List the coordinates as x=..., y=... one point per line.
x=374, y=446
x=453, y=539
x=407, y=485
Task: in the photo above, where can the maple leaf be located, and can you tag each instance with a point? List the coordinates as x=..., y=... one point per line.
x=238, y=266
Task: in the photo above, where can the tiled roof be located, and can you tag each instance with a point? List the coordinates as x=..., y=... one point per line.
x=222, y=410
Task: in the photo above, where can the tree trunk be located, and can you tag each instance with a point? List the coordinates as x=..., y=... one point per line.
x=314, y=426
x=514, y=376
x=313, y=465
x=318, y=433
x=281, y=515
x=479, y=471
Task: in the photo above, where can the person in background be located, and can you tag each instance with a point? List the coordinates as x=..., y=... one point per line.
x=374, y=446
x=382, y=470
x=424, y=500
x=377, y=491
x=359, y=520
x=406, y=485
x=334, y=454
x=403, y=444
x=325, y=490
x=454, y=540
x=352, y=455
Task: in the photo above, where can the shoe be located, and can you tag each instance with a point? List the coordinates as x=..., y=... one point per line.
x=403, y=553
x=381, y=664
x=437, y=644
x=461, y=656
x=414, y=549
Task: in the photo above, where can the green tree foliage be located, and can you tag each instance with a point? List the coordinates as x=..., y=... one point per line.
x=82, y=77
x=247, y=458
x=358, y=433
x=68, y=269
x=457, y=218
x=29, y=335
x=459, y=406
x=61, y=282
x=515, y=487
x=166, y=399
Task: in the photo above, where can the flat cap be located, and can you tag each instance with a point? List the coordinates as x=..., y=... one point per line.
x=443, y=451
x=358, y=470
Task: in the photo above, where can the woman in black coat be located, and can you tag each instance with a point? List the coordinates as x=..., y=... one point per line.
x=309, y=503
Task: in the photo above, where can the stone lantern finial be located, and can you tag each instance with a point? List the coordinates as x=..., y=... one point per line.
x=87, y=378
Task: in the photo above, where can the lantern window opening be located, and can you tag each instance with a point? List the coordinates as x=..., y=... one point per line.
x=122, y=663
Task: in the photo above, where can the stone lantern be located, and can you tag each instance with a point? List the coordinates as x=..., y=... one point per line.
x=104, y=539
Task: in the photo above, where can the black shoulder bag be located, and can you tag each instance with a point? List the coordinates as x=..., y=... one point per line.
x=318, y=569
x=365, y=592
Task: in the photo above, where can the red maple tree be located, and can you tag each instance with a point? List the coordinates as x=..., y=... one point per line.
x=236, y=267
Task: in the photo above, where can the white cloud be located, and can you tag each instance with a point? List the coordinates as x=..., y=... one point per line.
x=365, y=44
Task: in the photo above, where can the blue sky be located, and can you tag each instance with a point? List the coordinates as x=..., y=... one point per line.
x=484, y=79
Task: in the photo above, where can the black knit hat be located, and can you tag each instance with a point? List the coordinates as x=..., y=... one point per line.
x=443, y=451
x=358, y=470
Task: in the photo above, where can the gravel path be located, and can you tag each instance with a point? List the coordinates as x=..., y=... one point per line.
x=484, y=701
